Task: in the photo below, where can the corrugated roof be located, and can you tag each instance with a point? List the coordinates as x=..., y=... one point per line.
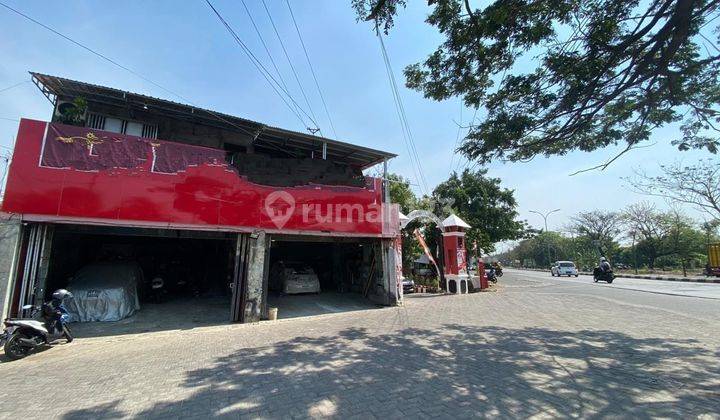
x=276, y=137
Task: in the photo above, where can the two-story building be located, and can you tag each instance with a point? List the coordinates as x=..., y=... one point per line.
x=210, y=202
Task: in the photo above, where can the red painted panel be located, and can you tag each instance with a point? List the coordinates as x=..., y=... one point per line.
x=56, y=171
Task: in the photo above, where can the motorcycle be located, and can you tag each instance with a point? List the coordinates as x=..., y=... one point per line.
x=600, y=275
x=46, y=324
x=491, y=274
x=498, y=272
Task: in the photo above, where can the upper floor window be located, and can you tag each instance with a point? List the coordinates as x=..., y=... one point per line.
x=117, y=125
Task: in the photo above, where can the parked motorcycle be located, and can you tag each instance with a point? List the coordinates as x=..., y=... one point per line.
x=600, y=275
x=157, y=290
x=46, y=324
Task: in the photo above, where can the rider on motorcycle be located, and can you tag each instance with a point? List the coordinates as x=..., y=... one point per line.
x=604, y=265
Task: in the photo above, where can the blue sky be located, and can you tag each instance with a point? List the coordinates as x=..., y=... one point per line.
x=183, y=47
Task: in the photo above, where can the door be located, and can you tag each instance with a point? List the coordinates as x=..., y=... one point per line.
x=32, y=269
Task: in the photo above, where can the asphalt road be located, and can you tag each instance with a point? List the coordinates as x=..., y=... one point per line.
x=699, y=300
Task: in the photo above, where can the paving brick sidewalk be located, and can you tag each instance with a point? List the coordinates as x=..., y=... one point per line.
x=518, y=352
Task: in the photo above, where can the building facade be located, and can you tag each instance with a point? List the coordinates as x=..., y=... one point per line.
x=211, y=202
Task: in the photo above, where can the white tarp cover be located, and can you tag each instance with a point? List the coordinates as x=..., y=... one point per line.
x=104, y=292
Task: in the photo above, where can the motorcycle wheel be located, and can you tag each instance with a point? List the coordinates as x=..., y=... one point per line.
x=14, y=350
x=610, y=281
x=595, y=279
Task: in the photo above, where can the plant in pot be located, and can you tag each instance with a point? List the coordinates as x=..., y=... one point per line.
x=73, y=113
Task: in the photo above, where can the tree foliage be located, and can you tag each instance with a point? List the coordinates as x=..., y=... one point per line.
x=597, y=225
x=697, y=185
x=401, y=193
x=484, y=204
x=659, y=239
x=563, y=75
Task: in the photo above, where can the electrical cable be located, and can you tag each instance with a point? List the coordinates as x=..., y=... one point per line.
x=287, y=57
x=117, y=64
x=312, y=70
x=265, y=46
x=472, y=121
x=402, y=114
x=260, y=67
x=14, y=86
x=457, y=137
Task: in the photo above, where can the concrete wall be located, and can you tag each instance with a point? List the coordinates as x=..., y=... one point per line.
x=10, y=235
x=255, y=281
x=174, y=129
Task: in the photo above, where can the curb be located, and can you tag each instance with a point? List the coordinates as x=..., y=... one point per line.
x=644, y=277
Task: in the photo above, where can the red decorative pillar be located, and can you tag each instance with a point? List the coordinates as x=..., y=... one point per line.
x=455, y=253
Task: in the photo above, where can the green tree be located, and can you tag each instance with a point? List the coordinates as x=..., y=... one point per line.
x=601, y=228
x=563, y=75
x=650, y=227
x=484, y=204
x=401, y=193
x=684, y=242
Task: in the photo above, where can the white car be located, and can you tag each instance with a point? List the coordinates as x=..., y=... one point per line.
x=564, y=268
x=293, y=278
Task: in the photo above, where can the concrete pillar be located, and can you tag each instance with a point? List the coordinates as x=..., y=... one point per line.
x=389, y=271
x=10, y=239
x=255, y=282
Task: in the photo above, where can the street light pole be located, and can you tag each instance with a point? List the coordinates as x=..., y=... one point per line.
x=545, y=217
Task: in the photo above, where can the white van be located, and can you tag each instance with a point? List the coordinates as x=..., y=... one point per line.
x=564, y=268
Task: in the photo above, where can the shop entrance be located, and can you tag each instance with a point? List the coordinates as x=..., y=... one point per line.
x=315, y=275
x=130, y=280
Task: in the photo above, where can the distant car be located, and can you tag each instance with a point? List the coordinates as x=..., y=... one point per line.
x=408, y=286
x=564, y=268
x=293, y=278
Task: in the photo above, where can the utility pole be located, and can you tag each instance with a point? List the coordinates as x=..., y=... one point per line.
x=545, y=216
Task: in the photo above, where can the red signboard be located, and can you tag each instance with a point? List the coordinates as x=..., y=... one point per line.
x=67, y=173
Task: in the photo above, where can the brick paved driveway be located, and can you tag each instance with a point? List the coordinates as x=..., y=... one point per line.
x=520, y=352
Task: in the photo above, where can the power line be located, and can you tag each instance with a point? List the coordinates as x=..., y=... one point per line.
x=287, y=57
x=267, y=50
x=403, y=127
x=262, y=69
x=457, y=137
x=115, y=63
x=14, y=86
x=457, y=166
x=307, y=57
x=400, y=108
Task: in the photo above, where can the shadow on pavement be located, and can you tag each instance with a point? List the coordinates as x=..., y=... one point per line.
x=454, y=371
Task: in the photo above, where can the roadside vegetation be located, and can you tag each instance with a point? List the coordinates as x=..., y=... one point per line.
x=480, y=200
x=640, y=236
